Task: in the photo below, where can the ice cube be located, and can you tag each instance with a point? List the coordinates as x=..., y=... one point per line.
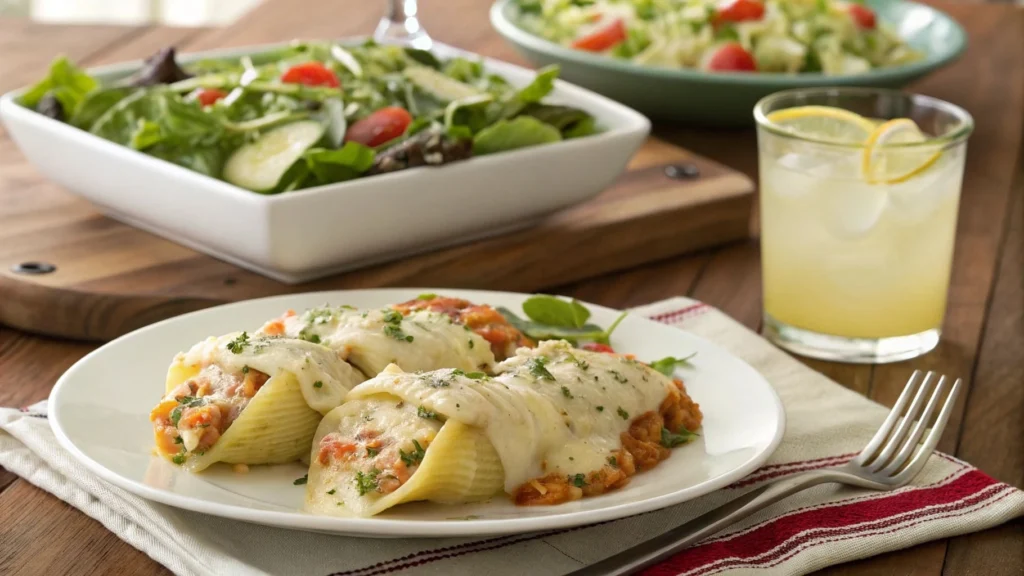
x=851, y=209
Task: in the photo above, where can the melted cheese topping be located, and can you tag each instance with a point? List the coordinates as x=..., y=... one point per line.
x=550, y=409
x=372, y=339
x=323, y=378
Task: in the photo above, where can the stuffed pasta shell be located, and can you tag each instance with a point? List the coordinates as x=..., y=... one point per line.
x=553, y=425
x=247, y=400
x=425, y=334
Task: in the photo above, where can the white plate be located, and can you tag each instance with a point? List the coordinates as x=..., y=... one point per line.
x=99, y=411
x=310, y=233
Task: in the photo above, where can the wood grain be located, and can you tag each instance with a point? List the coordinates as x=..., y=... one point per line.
x=984, y=330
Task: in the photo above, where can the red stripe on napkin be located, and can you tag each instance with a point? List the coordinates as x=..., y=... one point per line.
x=676, y=315
x=779, y=537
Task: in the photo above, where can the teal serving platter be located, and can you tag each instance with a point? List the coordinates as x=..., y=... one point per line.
x=727, y=99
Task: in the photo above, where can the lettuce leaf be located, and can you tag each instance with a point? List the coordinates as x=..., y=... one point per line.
x=519, y=132
x=65, y=82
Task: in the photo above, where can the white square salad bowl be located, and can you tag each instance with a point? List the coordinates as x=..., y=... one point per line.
x=298, y=236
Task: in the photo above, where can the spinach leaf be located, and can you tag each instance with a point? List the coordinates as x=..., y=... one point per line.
x=147, y=133
x=668, y=364
x=95, y=104
x=560, y=117
x=345, y=163
x=584, y=127
x=554, y=311
x=543, y=83
x=671, y=440
x=424, y=57
x=507, y=135
x=65, y=82
x=538, y=331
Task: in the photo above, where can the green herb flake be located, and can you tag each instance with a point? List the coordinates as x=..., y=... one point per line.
x=426, y=296
x=567, y=393
x=613, y=462
x=245, y=369
x=176, y=415
x=309, y=336
x=178, y=459
x=578, y=480
x=476, y=375
x=618, y=376
x=301, y=481
x=372, y=452
x=471, y=344
x=622, y=413
x=395, y=332
x=671, y=440
x=413, y=458
x=424, y=413
x=536, y=367
x=367, y=482
x=331, y=492
x=600, y=408
x=392, y=316
x=178, y=440
x=239, y=343
x=318, y=384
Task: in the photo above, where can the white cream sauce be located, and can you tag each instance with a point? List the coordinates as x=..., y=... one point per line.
x=324, y=378
x=372, y=339
x=551, y=409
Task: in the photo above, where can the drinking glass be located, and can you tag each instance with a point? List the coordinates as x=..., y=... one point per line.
x=856, y=262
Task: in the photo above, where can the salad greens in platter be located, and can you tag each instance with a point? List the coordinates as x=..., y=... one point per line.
x=310, y=113
x=833, y=37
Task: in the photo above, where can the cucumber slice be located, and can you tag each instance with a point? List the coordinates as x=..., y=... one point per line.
x=438, y=85
x=259, y=165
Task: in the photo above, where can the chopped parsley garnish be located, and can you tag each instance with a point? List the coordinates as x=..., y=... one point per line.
x=471, y=344
x=392, y=316
x=579, y=480
x=178, y=440
x=424, y=413
x=318, y=315
x=371, y=452
x=581, y=364
x=671, y=440
x=245, y=369
x=600, y=408
x=178, y=459
x=176, y=415
x=613, y=461
x=618, y=376
x=367, y=482
x=413, y=458
x=623, y=413
x=331, y=491
x=395, y=332
x=438, y=381
x=426, y=296
x=301, y=481
x=309, y=336
x=239, y=343
x=475, y=375
x=566, y=392
x=318, y=384
x=536, y=367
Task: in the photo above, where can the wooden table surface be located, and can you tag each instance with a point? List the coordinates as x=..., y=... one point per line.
x=983, y=335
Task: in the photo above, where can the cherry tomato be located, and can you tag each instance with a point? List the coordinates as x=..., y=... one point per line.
x=731, y=57
x=207, y=96
x=738, y=11
x=310, y=74
x=602, y=38
x=382, y=126
x=598, y=347
x=863, y=16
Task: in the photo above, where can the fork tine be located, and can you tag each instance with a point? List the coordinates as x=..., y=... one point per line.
x=890, y=420
x=932, y=440
x=896, y=438
x=909, y=446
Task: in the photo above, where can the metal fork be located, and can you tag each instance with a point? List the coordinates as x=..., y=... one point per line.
x=897, y=452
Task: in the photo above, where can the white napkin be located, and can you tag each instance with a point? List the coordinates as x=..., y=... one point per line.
x=828, y=524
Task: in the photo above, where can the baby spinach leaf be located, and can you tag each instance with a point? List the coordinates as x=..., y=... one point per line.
x=147, y=133
x=95, y=104
x=554, y=311
x=507, y=135
x=667, y=365
x=345, y=163
x=65, y=82
x=543, y=83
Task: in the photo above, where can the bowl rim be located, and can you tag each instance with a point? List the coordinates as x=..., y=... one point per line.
x=505, y=26
x=631, y=122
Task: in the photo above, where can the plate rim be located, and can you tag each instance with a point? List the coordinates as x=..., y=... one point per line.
x=387, y=527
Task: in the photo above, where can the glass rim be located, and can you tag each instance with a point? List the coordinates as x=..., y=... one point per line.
x=956, y=135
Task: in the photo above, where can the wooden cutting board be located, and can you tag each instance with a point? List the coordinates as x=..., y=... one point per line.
x=67, y=270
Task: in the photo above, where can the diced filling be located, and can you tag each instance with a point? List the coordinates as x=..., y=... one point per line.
x=484, y=320
x=382, y=453
x=647, y=442
x=193, y=416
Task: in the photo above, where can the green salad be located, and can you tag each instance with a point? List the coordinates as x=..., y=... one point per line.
x=311, y=113
x=783, y=36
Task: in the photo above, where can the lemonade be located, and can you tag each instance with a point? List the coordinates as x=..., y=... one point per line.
x=858, y=220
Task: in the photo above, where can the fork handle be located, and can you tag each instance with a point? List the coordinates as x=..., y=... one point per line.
x=675, y=540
